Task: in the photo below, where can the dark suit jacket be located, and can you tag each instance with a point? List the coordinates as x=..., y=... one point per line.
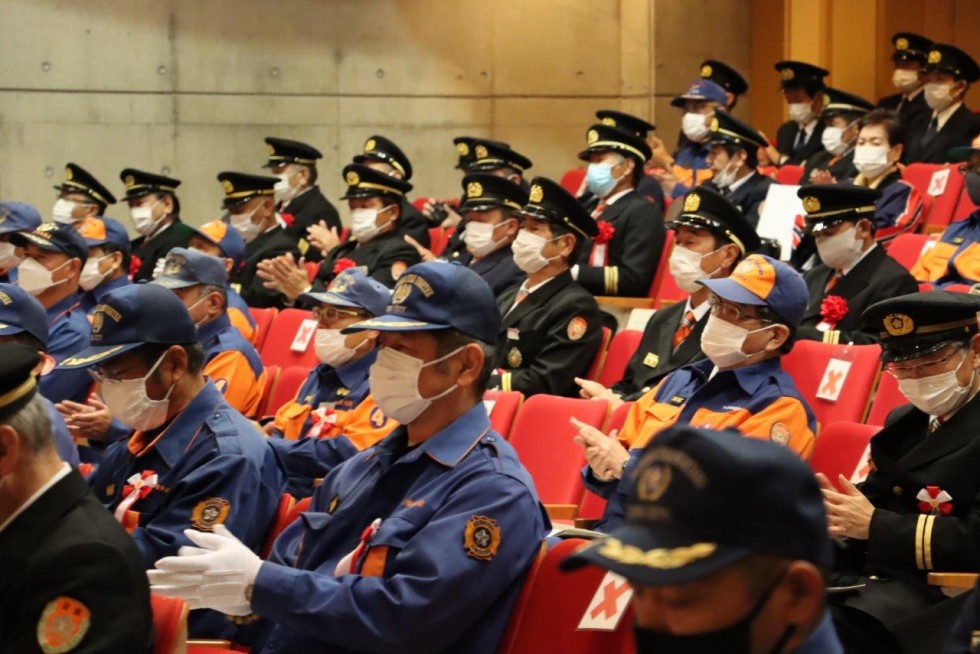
x=499, y=271
x=269, y=245
x=786, y=137
x=175, y=235
x=309, y=208
x=748, y=196
x=379, y=256
x=550, y=338
x=632, y=254
x=960, y=129
x=908, y=111
x=655, y=358
x=66, y=545
x=842, y=169
x=875, y=278
x=414, y=223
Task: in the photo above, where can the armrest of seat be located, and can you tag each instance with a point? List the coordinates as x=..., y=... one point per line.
x=561, y=511
x=953, y=579
x=625, y=302
x=585, y=523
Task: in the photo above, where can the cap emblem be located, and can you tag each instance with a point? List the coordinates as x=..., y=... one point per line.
x=609, y=121
x=536, y=195
x=898, y=324
x=173, y=264
x=401, y=293
x=811, y=204
x=692, y=202
x=706, y=71
x=130, y=181
x=787, y=73
x=826, y=99
x=228, y=186
x=46, y=227
x=97, y=322
x=592, y=136
x=652, y=483
x=902, y=43
x=935, y=57
x=474, y=190
x=68, y=174
x=480, y=151
x=463, y=149
x=271, y=150
x=370, y=145
x=353, y=179
x=341, y=282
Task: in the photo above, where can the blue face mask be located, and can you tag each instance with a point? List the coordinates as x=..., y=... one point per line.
x=600, y=180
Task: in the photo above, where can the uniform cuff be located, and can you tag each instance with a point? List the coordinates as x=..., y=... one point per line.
x=272, y=594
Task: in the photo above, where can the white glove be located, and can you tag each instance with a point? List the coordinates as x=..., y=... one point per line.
x=158, y=267
x=214, y=575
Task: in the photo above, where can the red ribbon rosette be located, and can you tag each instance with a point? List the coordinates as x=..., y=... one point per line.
x=288, y=218
x=833, y=309
x=135, y=263
x=606, y=231
x=343, y=264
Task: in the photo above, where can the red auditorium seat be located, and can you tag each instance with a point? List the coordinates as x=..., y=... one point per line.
x=271, y=377
x=661, y=274
x=592, y=505
x=284, y=516
x=285, y=389
x=789, y=174
x=600, y=356
x=809, y=366
x=437, y=240
x=907, y=248
x=945, y=187
x=263, y=320
x=290, y=326
x=505, y=407
x=312, y=268
x=542, y=436
x=886, y=398
x=553, y=604
x=169, y=623
x=571, y=181
x=964, y=207
x=621, y=348
x=840, y=449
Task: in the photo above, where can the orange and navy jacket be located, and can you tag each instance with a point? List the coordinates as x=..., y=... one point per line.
x=232, y=363
x=332, y=418
x=690, y=168
x=898, y=210
x=91, y=299
x=240, y=316
x=955, y=259
x=760, y=401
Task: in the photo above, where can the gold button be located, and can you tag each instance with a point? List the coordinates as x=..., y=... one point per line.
x=897, y=490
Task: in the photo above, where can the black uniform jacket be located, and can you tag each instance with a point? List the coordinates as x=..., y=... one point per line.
x=174, y=235
x=385, y=257
x=267, y=245
x=960, y=129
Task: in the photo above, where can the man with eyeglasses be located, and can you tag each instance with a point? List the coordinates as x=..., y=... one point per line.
x=917, y=511
x=856, y=272
x=334, y=416
x=741, y=385
x=193, y=461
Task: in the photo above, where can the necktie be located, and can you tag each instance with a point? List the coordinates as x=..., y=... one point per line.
x=800, y=139
x=930, y=132
x=684, y=330
x=832, y=283
x=521, y=294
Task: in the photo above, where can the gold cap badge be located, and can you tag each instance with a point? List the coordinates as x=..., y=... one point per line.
x=68, y=174
x=129, y=181
x=652, y=483
x=692, y=202
x=271, y=150
x=811, y=204
x=609, y=121
x=401, y=293
x=592, y=136
x=481, y=152
x=537, y=194
x=353, y=179
x=474, y=190
x=706, y=71
x=463, y=149
x=787, y=73
x=935, y=57
x=228, y=186
x=714, y=125
x=898, y=324
x=902, y=43
x=370, y=145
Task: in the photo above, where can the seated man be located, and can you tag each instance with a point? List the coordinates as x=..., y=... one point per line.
x=53, y=256
x=23, y=321
x=551, y=330
x=622, y=256
x=734, y=161
x=840, y=114
x=735, y=535
x=916, y=512
x=333, y=416
x=955, y=259
x=420, y=543
x=70, y=579
x=801, y=136
x=155, y=210
x=14, y=217
x=711, y=237
x=107, y=266
x=230, y=361
x=909, y=59
x=382, y=155
x=648, y=186
x=193, y=460
x=754, y=315
x=80, y=196
x=856, y=272
x=219, y=239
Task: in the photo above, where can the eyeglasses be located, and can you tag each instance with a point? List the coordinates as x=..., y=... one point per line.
x=101, y=375
x=731, y=312
x=330, y=314
x=924, y=369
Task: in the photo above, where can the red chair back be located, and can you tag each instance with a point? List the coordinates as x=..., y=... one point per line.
x=281, y=521
x=285, y=389
x=542, y=436
x=344, y=234
x=840, y=449
x=600, y=356
x=271, y=377
x=437, y=240
x=571, y=181
x=886, y=398
x=621, y=349
x=964, y=207
x=660, y=275
x=504, y=409
x=944, y=183
x=815, y=368
x=169, y=623
x=789, y=174
x=553, y=604
x=907, y=248
x=312, y=268
x=290, y=326
x=263, y=321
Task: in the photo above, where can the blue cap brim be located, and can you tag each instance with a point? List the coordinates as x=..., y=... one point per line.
x=7, y=329
x=22, y=239
x=330, y=298
x=729, y=289
x=173, y=283
x=96, y=354
x=668, y=571
x=393, y=323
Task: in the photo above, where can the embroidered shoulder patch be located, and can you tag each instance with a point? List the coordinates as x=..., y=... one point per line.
x=577, y=327
x=779, y=433
x=63, y=624
x=482, y=538
x=212, y=511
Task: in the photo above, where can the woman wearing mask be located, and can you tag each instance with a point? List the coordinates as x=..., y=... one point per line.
x=155, y=211
x=840, y=114
x=909, y=58
x=949, y=72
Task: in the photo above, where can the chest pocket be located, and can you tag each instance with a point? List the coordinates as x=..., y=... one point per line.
x=967, y=262
x=660, y=415
x=392, y=537
x=719, y=419
x=291, y=419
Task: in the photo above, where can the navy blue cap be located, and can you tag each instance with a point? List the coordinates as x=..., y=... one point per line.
x=800, y=73
x=131, y=316
x=54, y=237
x=829, y=204
x=491, y=155
x=484, y=191
x=728, y=130
x=602, y=138
x=946, y=58
x=242, y=187
x=439, y=295
x=705, y=208
x=184, y=267
x=18, y=217
x=702, y=89
x=379, y=148
x=917, y=324
x=286, y=151
x=22, y=312
x=762, y=281
x=836, y=101
x=464, y=149
x=18, y=384
x=99, y=231
x=724, y=76
x=701, y=500
x=626, y=122
x=909, y=46
x=366, y=182
x=140, y=182
x=353, y=288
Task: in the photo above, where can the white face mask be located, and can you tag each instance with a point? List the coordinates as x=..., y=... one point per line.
x=871, y=160
x=685, y=268
x=479, y=238
x=800, y=112
x=938, y=96
x=246, y=228
x=331, y=348
x=937, y=395
x=8, y=256
x=61, y=211
x=394, y=380
x=721, y=341
x=143, y=218
x=694, y=127
x=905, y=80
x=726, y=176
x=527, y=251
x=91, y=277
x=35, y=278
x=128, y=401
x=284, y=192
x=841, y=250
x=363, y=223
x=190, y=310
x=833, y=140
